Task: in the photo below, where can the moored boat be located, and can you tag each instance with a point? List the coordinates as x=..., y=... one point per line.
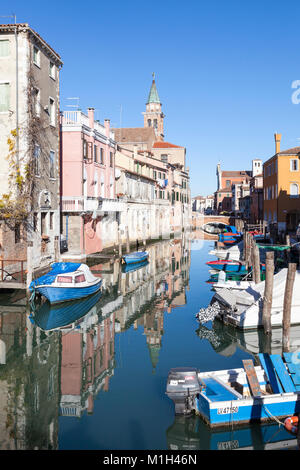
x=136, y=257
x=126, y=268
x=66, y=281
x=223, y=398
x=51, y=317
x=245, y=309
x=230, y=266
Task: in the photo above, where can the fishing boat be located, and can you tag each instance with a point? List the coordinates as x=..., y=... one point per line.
x=50, y=317
x=136, y=257
x=192, y=434
x=232, y=266
x=244, y=309
x=223, y=398
x=66, y=281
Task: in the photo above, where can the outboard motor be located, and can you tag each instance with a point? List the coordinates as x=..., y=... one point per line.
x=182, y=387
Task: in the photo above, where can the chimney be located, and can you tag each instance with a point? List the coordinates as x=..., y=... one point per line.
x=91, y=112
x=107, y=127
x=277, y=142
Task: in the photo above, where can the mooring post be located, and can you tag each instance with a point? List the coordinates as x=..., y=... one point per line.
x=256, y=263
x=120, y=244
x=287, y=305
x=288, y=251
x=127, y=240
x=268, y=294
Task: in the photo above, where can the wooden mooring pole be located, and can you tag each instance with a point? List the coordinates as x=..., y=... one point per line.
x=268, y=294
x=287, y=305
x=127, y=241
x=255, y=263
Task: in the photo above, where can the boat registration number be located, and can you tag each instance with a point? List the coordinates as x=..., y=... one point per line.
x=228, y=445
x=227, y=410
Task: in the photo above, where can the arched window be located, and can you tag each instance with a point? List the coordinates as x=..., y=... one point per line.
x=294, y=190
x=149, y=122
x=155, y=123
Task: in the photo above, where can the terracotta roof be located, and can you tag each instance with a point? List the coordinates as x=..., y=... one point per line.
x=236, y=174
x=162, y=145
x=134, y=134
x=292, y=151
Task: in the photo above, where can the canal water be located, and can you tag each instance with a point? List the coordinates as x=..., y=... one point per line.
x=91, y=375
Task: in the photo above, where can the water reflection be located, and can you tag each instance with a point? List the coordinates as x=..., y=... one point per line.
x=57, y=360
x=191, y=434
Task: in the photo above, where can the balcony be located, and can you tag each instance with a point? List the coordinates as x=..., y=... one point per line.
x=91, y=204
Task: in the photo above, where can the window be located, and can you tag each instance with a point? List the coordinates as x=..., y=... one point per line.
x=95, y=153
x=154, y=174
x=164, y=158
x=155, y=123
x=294, y=190
x=51, y=219
x=149, y=122
x=111, y=160
x=294, y=165
x=52, y=111
x=52, y=164
x=36, y=160
x=4, y=48
x=36, y=101
x=228, y=183
x=4, y=97
x=101, y=156
x=43, y=222
x=85, y=149
x=36, y=56
x=65, y=279
x=79, y=278
x=17, y=233
x=52, y=70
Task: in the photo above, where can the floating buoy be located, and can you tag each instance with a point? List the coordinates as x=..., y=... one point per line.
x=291, y=424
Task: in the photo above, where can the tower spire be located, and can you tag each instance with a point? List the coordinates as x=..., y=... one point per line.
x=154, y=117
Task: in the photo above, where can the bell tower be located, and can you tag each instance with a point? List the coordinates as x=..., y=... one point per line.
x=154, y=117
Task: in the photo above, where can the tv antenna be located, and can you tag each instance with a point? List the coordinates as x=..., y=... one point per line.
x=74, y=98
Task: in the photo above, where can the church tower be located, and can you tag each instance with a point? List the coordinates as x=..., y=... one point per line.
x=154, y=117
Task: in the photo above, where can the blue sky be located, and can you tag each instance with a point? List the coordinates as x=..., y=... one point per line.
x=224, y=70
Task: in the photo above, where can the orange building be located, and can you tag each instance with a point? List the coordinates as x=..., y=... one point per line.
x=281, y=188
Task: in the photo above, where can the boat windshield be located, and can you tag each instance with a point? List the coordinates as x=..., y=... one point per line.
x=65, y=279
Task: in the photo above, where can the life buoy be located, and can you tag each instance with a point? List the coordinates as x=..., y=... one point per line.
x=291, y=424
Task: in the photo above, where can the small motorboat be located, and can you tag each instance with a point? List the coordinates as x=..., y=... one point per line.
x=126, y=268
x=66, y=281
x=136, y=257
x=52, y=317
x=230, y=266
x=224, y=398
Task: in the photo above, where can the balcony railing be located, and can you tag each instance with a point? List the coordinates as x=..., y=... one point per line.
x=90, y=204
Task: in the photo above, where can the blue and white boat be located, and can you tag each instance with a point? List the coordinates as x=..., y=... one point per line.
x=128, y=268
x=264, y=393
x=52, y=317
x=66, y=281
x=136, y=257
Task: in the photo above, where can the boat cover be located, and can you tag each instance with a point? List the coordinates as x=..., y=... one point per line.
x=56, y=268
x=256, y=291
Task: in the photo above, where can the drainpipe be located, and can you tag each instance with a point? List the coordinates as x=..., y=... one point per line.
x=17, y=92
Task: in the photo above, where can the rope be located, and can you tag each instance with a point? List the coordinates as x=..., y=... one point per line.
x=280, y=423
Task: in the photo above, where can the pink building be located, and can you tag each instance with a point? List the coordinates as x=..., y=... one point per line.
x=90, y=212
